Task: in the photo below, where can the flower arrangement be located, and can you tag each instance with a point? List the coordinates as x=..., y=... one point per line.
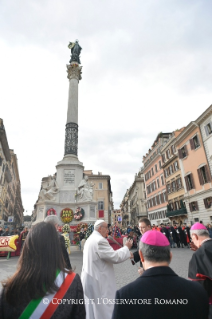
x=66, y=228
x=51, y=211
x=66, y=215
x=89, y=231
x=80, y=226
x=79, y=213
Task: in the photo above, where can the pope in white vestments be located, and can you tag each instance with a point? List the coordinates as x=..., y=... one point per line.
x=98, y=278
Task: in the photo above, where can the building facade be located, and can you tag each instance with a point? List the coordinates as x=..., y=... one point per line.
x=155, y=181
x=10, y=188
x=196, y=174
x=176, y=210
x=102, y=194
x=133, y=205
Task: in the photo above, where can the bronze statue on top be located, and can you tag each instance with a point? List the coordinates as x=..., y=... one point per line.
x=75, y=51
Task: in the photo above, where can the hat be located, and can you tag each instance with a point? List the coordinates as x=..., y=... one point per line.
x=154, y=238
x=198, y=226
x=98, y=222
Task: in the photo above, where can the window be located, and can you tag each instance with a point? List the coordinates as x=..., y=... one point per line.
x=183, y=152
x=177, y=205
x=208, y=128
x=173, y=150
x=207, y=202
x=162, y=180
x=176, y=167
x=203, y=174
x=160, y=164
x=179, y=183
x=164, y=196
x=168, y=154
x=100, y=185
x=166, y=172
x=171, y=169
x=152, y=171
x=194, y=142
x=168, y=188
x=173, y=186
x=196, y=220
x=156, y=169
x=100, y=205
x=193, y=206
x=189, y=182
x=163, y=158
x=158, y=183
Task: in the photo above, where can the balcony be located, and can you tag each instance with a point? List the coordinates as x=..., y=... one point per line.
x=178, y=212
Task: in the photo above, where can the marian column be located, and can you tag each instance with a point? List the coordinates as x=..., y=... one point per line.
x=74, y=71
x=69, y=190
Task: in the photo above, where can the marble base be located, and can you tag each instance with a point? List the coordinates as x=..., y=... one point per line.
x=90, y=209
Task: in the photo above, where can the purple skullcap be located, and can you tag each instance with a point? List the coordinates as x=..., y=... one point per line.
x=198, y=226
x=154, y=238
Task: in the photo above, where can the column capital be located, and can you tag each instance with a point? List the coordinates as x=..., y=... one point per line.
x=74, y=71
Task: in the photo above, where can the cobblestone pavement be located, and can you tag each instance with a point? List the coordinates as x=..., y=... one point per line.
x=124, y=272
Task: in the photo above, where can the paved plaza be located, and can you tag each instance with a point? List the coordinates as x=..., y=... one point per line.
x=125, y=272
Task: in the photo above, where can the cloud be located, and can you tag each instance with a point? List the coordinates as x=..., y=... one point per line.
x=146, y=68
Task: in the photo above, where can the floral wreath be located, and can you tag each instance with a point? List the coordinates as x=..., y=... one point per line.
x=51, y=211
x=79, y=213
x=66, y=215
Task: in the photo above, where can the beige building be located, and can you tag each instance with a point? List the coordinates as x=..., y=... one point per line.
x=102, y=194
x=133, y=205
x=155, y=182
x=116, y=218
x=176, y=211
x=10, y=189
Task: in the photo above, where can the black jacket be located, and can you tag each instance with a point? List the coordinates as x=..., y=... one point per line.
x=159, y=285
x=136, y=254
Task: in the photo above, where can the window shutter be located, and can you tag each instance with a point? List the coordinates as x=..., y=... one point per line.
x=190, y=206
x=206, y=203
x=200, y=177
x=206, y=130
x=180, y=154
x=197, y=206
x=153, y=201
x=162, y=198
x=186, y=150
x=192, y=144
x=186, y=181
x=163, y=158
x=172, y=150
x=176, y=183
x=158, y=199
x=192, y=180
x=166, y=196
x=207, y=174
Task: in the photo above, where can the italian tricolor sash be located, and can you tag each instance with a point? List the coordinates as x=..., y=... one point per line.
x=43, y=308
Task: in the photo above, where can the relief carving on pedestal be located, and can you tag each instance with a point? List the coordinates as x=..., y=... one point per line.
x=85, y=190
x=49, y=190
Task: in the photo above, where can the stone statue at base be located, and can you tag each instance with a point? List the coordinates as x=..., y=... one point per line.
x=85, y=190
x=48, y=192
x=75, y=51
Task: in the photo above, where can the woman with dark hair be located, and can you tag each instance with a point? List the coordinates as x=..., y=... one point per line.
x=42, y=287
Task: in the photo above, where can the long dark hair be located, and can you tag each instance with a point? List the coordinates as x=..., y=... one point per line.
x=40, y=259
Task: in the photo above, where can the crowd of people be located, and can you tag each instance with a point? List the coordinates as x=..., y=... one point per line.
x=45, y=285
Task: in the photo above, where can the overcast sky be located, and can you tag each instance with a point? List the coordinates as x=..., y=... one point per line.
x=147, y=68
